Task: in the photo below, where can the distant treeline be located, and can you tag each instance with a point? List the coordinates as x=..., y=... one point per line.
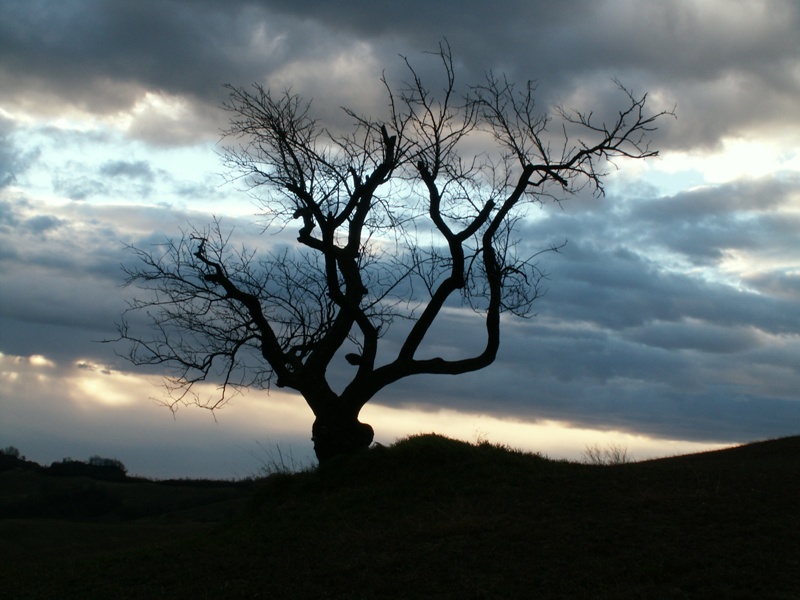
x=96, y=467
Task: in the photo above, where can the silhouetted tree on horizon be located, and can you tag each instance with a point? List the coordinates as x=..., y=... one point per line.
x=396, y=218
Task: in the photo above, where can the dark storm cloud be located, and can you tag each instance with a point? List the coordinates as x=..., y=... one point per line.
x=103, y=56
x=77, y=44
x=679, y=38
x=728, y=66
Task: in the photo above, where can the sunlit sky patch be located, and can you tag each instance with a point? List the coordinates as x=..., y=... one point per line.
x=255, y=425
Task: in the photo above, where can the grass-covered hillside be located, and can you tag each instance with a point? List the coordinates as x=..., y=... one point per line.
x=427, y=518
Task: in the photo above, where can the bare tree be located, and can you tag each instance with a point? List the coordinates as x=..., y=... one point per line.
x=612, y=454
x=397, y=217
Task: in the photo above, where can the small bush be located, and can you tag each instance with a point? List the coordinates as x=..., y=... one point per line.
x=108, y=469
x=10, y=451
x=111, y=464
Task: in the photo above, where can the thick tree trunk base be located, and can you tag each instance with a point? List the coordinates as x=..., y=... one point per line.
x=337, y=437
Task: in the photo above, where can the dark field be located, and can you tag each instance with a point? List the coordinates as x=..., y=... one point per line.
x=426, y=518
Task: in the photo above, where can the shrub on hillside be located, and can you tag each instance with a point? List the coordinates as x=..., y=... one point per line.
x=109, y=469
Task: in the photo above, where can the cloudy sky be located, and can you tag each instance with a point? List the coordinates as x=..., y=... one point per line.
x=672, y=318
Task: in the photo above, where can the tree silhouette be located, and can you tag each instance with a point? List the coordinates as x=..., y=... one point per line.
x=397, y=218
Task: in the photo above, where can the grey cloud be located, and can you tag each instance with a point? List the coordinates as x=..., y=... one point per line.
x=9, y=215
x=62, y=275
x=184, y=48
x=695, y=336
x=113, y=179
x=129, y=178
x=78, y=187
x=66, y=342
x=620, y=342
x=682, y=38
x=607, y=383
x=624, y=339
x=618, y=268
x=593, y=379
x=781, y=283
x=578, y=352
x=14, y=221
x=713, y=201
x=611, y=347
x=13, y=159
x=210, y=188
x=779, y=364
x=195, y=123
x=619, y=289
x=727, y=68
x=132, y=170
x=41, y=224
x=705, y=224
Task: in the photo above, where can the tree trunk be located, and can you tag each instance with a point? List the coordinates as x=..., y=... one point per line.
x=337, y=435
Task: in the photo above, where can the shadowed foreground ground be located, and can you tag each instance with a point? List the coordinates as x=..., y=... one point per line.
x=435, y=518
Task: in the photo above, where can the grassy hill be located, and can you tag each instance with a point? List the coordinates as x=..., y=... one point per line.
x=435, y=518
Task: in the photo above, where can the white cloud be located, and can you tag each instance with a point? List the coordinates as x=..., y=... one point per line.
x=168, y=120
x=740, y=158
